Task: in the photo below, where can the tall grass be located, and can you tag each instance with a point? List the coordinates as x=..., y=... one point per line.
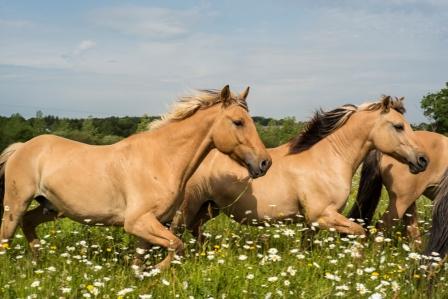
x=235, y=261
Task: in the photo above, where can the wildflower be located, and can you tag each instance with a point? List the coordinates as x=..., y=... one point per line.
x=405, y=247
x=125, y=291
x=395, y=286
x=286, y=282
x=242, y=257
x=414, y=256
x=361, y=288
x=376, y=296
x=379, y=239
x=332, y=277
x=165, y=282
x=250, y=276
x=65, y=290
x=145, y=296
x=342, y=288
x=289, y=232
x=35, y=284
x=272, y=278
x=291, y=270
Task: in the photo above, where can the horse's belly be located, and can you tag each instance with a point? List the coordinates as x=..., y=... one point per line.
x=85, y=203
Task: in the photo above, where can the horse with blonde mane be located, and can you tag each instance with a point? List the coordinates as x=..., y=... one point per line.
x=405, y=188
x=136, y=183
x=311, y=176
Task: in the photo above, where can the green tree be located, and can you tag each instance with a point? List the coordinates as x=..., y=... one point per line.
x=38, y=123
x=143, y=124
x=435, y=106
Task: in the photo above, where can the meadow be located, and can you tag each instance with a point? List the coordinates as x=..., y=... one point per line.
x=235, y=261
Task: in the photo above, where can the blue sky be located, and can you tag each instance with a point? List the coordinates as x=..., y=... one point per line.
x=101, y=58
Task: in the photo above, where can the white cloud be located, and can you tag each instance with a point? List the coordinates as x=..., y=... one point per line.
x=146, y=21
x=342, y=54
x=84, y=46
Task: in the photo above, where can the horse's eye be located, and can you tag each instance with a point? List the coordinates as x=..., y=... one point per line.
x=399, y=127
x=238, y=123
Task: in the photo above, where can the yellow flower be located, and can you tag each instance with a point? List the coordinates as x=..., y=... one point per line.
x=5, y=245
x=53, y=247
x=373, y=230
x=90, y=287
x=416, y=276
x=108, y=249
x=375, y=274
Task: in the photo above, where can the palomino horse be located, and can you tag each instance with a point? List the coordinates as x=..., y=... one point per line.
x=311, y=175
x=136, y=183
x=405, y=188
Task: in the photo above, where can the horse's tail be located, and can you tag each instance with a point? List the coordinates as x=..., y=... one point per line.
x=438, y=238
x=6, y=154
x=369, y=191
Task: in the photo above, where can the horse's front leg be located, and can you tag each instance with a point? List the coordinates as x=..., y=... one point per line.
x=411, y=221
x=331, y=218
x=148, y=228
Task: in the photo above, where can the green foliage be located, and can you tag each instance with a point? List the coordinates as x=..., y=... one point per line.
x=435, y=106
x=277, y=132
x=112, y=129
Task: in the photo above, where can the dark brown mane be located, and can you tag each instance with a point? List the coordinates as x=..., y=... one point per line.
x=324, y=123
x=320, y=126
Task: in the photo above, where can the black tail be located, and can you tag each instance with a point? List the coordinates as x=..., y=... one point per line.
x=438, y=238
x=369, y=191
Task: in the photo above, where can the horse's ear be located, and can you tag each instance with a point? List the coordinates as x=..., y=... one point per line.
x=245, y=93
x=225, y=95
x=386, y=103
x=401, y=99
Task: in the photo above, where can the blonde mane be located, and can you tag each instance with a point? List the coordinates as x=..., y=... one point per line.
x=187, y=105
x=324, y=123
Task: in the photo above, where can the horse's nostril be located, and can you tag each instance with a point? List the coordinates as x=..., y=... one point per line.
x=264, y=165
x=423, y=161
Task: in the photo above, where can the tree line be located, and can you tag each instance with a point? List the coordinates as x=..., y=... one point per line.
x=109, y=130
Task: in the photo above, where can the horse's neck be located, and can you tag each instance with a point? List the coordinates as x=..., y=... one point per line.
x=186, y=143
x=350, y=143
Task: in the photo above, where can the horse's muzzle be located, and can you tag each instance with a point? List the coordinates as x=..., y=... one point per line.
x=420, y=165
x=260, y=169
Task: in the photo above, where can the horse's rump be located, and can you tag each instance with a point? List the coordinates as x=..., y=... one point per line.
x=6, y=154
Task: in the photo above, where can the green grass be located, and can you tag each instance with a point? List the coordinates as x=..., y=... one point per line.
x=236, y=261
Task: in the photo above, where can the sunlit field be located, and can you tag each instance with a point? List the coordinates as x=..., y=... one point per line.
x=235, y=261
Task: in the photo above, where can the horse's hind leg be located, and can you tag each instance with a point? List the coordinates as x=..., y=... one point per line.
x=16, y=202
x=207, y=211
x=148, y=228
x=31, y=220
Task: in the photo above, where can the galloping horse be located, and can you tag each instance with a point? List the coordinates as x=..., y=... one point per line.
x=405, y=188
x=311, y=175
x=136, y=183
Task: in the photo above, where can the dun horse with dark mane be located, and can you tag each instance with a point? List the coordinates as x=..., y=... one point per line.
x=136, y=183
x=311, y=175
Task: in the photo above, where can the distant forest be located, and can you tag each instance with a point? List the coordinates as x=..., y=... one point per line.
x=109, y=130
